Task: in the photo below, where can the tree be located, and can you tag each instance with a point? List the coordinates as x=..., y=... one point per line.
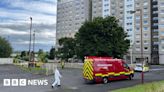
x=67, y=49
x=40, y=51
x=52, y=53
x=101, y=37
x=42, y=56
x=5, y=48
x=23, y=53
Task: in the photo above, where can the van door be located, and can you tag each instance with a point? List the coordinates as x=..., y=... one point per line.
x=126, y=69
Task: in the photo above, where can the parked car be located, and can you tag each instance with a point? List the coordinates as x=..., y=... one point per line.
x=138, y=67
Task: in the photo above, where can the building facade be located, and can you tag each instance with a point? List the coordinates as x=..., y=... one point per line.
x=71, y=14
x=152, y=29
x=104, y=8
x=137, y=14
x=154, y=32
x=160, y=4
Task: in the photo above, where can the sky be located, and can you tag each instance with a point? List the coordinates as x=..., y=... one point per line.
x=15, y=23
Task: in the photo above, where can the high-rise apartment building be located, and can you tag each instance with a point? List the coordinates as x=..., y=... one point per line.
x=143, y=10
x=104, y=8
x=152, y=29
x=154, y=32
x=129, y=27
x=160, y=29
x=72, y=13
x=129, y=6
x=137, y=14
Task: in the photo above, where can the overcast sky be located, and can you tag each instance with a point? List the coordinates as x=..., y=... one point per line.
x=15, y=22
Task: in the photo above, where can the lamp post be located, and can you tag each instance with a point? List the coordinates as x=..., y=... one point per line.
x=34, y=47
x=30, y=40
x=142, y=74
x=131, y=54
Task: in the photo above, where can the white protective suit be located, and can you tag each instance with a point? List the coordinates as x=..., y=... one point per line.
x=57, y=76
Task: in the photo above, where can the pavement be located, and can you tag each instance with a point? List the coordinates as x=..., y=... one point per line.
x=72, y=80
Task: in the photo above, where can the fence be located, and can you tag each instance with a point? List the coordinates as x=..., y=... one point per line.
x=50, y=66
x=6, y=61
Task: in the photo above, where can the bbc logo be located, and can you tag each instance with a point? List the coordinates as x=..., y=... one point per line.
x=14, y=82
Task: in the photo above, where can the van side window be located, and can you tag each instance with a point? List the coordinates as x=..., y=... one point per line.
x=125, y=66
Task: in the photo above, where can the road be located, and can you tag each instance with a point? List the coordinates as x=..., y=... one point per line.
x=72, y=80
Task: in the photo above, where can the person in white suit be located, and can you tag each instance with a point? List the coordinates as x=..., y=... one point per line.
x=57, y=76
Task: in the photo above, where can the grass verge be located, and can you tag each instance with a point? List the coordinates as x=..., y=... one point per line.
x=147, y=87
x=35, y=70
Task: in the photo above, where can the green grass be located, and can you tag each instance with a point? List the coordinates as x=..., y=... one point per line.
x=147, y=87
x=35, y=70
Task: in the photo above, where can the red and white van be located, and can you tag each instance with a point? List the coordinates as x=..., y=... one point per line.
x=105, y=69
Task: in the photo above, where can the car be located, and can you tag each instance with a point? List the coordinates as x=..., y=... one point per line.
x=138, y=67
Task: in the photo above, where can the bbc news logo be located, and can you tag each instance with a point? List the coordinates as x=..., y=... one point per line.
x=24, y=82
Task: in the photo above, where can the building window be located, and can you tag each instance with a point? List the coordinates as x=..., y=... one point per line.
x=145, y=42
x=145, y=16
x=130, y=5
x=128, y=11
x=162, y=48
x=162, y=41
x=162, y=19
x=121, y=7
x=145, y=35
x=146, y=48
x=137, y=17
x=129, y=29
x=137, y=28
x=145, y=22
x=155, y=30
x=129, y=17
x=106, y=10
x=145, y=10
x=106, y=15
x=155, y=6
x=155, y=43
x=155, y=36
x=145, y=3
x=137, y=48
x=161, y=25
x=137, y=35
x=162, y=11
x=145, y=28
x=106, y=5
x=162, y=3
x=162, y=32
x=137, y=42
x=137, y=22
x=129, y=23
x=154, y=12
x=155, y=24
x=155, y=18
x=137, y=4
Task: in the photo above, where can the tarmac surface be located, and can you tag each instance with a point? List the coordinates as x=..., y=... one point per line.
x=72, y=80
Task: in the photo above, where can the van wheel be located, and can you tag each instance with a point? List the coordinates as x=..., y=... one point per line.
x=130, y=77
x=105, y=80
